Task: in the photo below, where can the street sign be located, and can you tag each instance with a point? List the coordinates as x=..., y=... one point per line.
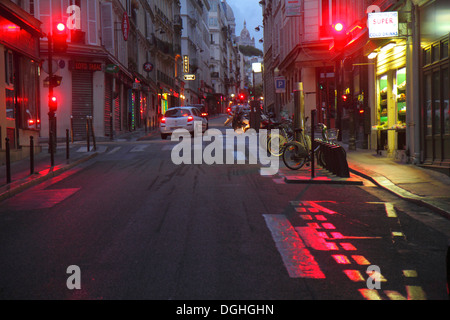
x=280, y=85
x=185, y=64
x=189, y=77
x=148, y=67
x=383, y=24
x=55, y=66
x=112, y=68
x=125, y=26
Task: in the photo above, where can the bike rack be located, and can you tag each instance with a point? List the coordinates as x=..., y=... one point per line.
x=335, y=158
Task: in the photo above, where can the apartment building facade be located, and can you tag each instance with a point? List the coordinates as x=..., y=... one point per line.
x=387, y=93
x=20, y=115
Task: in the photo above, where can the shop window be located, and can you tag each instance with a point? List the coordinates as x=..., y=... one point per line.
x=435, y=53
x=27, y=97
x=401, y=97
x=383, y=101
x=427, y=56
x=9, y=68
x=446, y=97
x=10, y=103
x=436, y=102
x=427, y=98
x=444, y=50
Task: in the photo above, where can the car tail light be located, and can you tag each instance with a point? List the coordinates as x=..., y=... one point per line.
x=204, y=114
x=163, y=120
x=190, y=118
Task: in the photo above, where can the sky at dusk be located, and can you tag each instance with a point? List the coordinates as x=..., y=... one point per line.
x=251, y=12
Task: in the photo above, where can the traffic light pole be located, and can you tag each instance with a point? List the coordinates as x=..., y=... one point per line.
x=51, y=112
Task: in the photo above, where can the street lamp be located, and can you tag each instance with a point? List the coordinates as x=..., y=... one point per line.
x=258, y=29
x=255, y=110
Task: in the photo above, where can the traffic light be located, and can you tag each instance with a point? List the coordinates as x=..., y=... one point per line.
x=339, y=32
x=60, y=34
x=241, y=97
x=55, y=81
x=52, y=104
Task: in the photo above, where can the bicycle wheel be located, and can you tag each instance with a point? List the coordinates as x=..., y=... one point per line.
x=282, y=140
x=295, y=155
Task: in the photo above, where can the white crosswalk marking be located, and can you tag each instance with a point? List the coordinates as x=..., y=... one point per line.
x=139, y=148
x=114, y=150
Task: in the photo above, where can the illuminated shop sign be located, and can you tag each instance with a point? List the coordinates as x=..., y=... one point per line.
x=383, y=24
x=85, y=66
x=186, y=64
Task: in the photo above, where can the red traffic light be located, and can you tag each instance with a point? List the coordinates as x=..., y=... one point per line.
x=52, y=104
x=60, y=37
x=340, y=36
x=61, y=27
x=339, y=27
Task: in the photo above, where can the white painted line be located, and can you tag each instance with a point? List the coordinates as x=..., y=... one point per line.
x=390, y=210
x=298, y=260
x=139, y=148
x=114, y=150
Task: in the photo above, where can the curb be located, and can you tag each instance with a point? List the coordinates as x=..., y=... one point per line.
x=384, y=183
x=322, y=180
x=20, y=185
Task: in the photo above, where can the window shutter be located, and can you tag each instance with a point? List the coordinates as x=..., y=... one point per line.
x=107, y=26
x=92, y=22
x=43, y=12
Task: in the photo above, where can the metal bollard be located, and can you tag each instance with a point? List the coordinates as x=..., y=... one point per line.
x=313, y=115
x=8, y=161
x=52, y=150
x=87, y=135
x=31, y=155
x=448, y=269
x=67, y=145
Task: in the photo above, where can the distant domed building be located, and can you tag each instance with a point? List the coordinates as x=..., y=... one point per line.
x=244, y=39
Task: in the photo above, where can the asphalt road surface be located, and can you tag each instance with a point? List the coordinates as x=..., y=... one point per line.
x=130, y=224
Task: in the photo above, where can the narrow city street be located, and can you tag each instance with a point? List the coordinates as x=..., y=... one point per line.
x=140, y=227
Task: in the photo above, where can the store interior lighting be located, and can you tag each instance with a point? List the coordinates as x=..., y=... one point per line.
x=373, y=55
x=389, y=46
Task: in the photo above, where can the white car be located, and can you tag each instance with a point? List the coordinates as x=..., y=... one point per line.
x=181, y=118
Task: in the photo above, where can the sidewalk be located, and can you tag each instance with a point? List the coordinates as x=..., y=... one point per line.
x=410, y=182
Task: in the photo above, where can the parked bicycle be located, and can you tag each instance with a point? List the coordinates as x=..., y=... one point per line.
x=297, y=152
x=284, y=135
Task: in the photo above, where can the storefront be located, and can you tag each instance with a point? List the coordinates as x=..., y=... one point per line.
x=434, y=40
x=389, y=123
x=19, y=79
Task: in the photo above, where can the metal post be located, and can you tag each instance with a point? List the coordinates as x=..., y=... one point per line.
x=88, y=147
x=8, y=161
x=313, y=115
x=52, y=150
x=299, y=107
x=111, y=126
x=31, y=155
x=448, y=269
x=51, y=113
x=67, y=145
x=93, y=133
x=71, y=128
